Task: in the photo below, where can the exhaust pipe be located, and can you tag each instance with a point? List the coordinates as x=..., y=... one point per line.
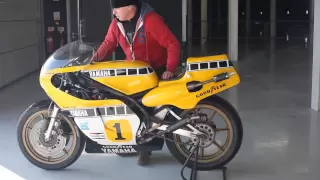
x=196, y=86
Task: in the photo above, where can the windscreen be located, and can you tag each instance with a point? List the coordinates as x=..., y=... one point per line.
x=75, y=53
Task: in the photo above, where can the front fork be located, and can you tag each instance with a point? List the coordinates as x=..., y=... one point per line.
x=54, y=115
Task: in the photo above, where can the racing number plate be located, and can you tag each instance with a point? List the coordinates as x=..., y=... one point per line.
x=118, y=130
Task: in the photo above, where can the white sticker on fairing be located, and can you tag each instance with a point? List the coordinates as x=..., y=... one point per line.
x=79, y=113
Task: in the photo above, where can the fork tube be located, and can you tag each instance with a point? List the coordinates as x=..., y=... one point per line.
x=51, y=124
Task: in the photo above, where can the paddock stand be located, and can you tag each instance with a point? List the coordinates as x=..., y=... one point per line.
x=193, y=175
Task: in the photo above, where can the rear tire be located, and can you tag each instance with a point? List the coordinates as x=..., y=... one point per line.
x=33, y=155
x=226, y=110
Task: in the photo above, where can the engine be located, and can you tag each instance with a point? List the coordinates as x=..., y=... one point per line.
x=69, y=83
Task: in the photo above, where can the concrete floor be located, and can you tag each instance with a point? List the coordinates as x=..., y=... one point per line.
x=281, y=133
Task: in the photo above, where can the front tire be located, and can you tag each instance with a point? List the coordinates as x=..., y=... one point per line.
x=229, y=150
x=40, y=153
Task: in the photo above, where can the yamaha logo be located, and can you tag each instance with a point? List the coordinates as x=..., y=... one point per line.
x=118, y=149
x=102, y=73
x=79, y=113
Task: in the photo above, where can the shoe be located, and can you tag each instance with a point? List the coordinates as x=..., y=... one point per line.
x=144, y=158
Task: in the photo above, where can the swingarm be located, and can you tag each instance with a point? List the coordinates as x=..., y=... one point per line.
x=175, y=128
x=182, y=127
x=183, y=132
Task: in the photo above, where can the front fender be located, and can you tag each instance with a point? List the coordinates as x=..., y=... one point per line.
x=41, y=103
x=45, y=104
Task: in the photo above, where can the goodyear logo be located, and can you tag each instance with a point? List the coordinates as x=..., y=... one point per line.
x=211, y=90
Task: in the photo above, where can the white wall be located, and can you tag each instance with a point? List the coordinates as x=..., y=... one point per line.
x=20, y=38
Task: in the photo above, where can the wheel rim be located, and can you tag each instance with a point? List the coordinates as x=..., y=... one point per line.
x=57, y=149
x=206, y=146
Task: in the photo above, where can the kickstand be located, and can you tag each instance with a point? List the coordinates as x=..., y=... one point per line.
x=193, y=175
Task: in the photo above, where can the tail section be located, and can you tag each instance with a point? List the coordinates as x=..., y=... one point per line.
x=204, y=77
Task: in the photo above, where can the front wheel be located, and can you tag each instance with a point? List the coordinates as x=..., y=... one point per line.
x=214, y=151
x=64, y=147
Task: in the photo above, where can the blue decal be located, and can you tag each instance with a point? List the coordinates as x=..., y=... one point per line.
x=84, y=126
x=141, y=35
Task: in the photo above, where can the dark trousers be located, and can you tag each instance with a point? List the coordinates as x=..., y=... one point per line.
x=157, y=141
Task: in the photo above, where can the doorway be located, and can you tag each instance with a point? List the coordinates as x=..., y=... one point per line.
x=55, y=25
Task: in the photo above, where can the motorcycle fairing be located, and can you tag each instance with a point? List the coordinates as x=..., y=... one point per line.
x=176, y=93
x=165, y=92
x=124, y=76
x=122, y=84
x=113, y=125
x=125, y=79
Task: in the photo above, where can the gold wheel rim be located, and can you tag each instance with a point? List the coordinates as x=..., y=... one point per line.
x=208, y=159
x=30, y=149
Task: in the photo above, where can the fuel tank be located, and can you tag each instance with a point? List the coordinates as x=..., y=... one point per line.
x=128, y=77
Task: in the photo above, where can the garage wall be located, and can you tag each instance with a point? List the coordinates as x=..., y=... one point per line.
x=20, y=38
x=97, y=23
x=171, y=12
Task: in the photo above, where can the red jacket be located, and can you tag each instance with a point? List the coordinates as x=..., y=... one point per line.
x=153, y=41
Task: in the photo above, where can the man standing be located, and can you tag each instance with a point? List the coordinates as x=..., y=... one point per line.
x=143, y=35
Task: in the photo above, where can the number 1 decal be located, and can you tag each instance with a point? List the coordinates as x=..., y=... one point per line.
x=118, y=130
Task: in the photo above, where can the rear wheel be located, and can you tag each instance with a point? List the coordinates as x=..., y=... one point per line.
x=64, y=148
x=214, y=152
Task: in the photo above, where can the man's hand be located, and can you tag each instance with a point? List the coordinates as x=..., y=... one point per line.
x=167, y=75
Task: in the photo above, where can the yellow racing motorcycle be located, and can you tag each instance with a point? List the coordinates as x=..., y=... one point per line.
x=122, y=107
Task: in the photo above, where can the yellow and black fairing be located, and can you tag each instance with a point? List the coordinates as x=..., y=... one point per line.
x=124, y=77
x=131, y=84
x=129, y=78
x=117, y=75
x=180, y=92
x=118, y=82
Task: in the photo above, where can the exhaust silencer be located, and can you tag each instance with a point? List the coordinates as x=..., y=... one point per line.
x=196, y=85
